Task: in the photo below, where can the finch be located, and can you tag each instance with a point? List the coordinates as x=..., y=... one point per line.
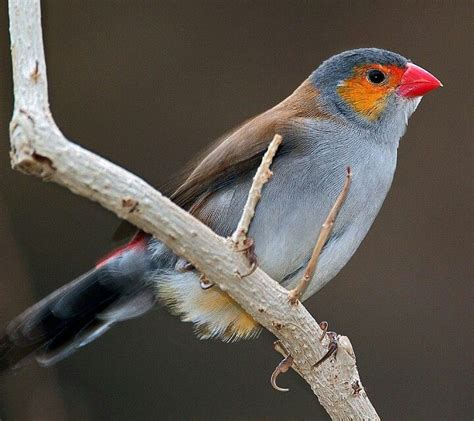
x=350, y=112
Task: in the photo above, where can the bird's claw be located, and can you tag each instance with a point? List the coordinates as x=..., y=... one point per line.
x=283, y=367
x=324, y=327
x=248, y=248
x=287, y=362
x=184, y=266
x=205, y=282
x=332, y=348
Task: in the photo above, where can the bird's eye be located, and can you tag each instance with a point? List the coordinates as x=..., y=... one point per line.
x=376, y=76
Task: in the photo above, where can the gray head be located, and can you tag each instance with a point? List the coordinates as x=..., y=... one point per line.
x=369, y=86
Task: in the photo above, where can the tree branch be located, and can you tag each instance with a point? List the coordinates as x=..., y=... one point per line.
x=39, y=148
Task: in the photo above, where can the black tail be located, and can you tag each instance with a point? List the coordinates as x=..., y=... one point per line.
x=79, y=312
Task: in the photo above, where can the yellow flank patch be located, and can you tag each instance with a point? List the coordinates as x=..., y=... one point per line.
x=215, y=301
x=242, y=327
x=365, y=97
x=214, y=313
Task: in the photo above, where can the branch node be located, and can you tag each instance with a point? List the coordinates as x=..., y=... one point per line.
x=277, y=325
x=35, y=74
x=130, y=204
x=356, y=387
x=345, y=344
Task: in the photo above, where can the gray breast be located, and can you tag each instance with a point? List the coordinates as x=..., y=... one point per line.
x=297, y=199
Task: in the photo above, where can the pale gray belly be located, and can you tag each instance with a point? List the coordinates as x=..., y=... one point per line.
x=291, y=213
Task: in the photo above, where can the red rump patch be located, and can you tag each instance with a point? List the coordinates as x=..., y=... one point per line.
x=138, y=241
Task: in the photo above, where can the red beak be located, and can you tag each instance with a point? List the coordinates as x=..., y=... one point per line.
x=417, y=81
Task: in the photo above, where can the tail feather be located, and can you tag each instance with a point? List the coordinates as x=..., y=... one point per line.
x=79, y=312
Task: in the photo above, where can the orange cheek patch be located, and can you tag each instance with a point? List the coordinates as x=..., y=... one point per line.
x=363, y=96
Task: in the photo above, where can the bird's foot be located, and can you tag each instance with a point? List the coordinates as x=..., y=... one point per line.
x=324, y=327
x=184, y=266
x=333, y=343
x=287, y=362
x=205, y=282
x=248, y=248
x=283, y=367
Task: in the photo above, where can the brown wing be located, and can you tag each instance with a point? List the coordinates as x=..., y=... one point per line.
x=241, y=150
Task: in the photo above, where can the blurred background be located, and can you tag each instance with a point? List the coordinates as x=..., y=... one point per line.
x=148, y=84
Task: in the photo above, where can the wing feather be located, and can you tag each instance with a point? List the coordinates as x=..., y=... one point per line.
x=242, y=149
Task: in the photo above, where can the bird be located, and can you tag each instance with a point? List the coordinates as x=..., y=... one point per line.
x=350, y=112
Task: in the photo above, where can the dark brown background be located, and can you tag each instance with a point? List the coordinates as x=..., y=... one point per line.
x=149, y=83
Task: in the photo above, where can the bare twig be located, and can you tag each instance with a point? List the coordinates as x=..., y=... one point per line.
x=262, y=175
x=39, y=148
x=326, y=229
x=283, y=367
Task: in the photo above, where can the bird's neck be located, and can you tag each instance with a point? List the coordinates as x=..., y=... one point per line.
x=304, y=102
